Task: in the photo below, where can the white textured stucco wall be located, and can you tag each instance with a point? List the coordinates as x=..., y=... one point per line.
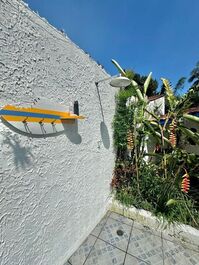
x=157, y=106
x=53, y=190
x=191, y=148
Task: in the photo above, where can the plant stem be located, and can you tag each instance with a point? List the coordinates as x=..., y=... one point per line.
x=184, y=199
x=162, y=129
x=136, y=156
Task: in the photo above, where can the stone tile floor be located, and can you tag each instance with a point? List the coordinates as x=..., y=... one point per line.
x=121, y=241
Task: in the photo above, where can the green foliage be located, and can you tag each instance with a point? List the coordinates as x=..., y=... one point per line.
x=194, y=79
x=195, y=76
x=171, y=202
x=140, y=80
x=155, y=194
x=186, y=101
x=121, y=120
x=130, y=74
x=194, y=97
x=119, y=68
x=183, y=211
x=180, y=85
x=170, y=94
x=157, y=184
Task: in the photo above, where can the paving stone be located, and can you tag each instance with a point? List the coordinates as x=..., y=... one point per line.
x=146, y=246
x=133, y=261
x=178, y=255
x=142, y=227
x=121, y=218
x=81, y=254
x=110, y=233
x=176, y=240
x=96, y=231
x=105, y=254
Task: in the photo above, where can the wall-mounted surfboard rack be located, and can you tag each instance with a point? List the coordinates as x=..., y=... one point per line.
x=43, y=117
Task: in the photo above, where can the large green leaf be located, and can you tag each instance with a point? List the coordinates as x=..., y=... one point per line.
x=171, y=202
x=191, y=117
x=133, y=83
x=154, y=132
x=137, y=90
x=146, y=83
x=190, y=134
x=122, y=72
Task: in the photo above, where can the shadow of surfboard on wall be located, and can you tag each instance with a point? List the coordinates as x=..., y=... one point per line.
x=70, y=130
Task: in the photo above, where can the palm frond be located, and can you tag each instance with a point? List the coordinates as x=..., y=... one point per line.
x=186, y=100
x=180, y=85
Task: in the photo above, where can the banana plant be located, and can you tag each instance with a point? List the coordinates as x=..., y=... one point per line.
x=166, y=134
x=137, y=117
x=178, y=110
x=139, y=94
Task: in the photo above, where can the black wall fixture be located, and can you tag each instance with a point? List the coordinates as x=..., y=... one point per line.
x=76, y=108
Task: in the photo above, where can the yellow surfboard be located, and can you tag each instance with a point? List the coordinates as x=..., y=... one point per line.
x=42, y=117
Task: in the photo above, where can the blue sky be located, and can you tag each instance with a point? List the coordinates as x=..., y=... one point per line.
x=158, y=35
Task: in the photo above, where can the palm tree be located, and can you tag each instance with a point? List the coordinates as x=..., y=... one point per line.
x=195, y=75
x=195, y=85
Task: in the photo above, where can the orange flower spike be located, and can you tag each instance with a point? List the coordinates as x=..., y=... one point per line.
x=172, y=139
x=172, y=136
x=130, y=143
x=185, y=185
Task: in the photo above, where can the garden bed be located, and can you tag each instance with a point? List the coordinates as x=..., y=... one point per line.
x=153, y=169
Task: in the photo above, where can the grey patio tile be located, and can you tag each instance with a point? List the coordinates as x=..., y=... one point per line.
x=96, y=231
x=121, y=218
x=146, y=246
x=142, y=227
x=81, y=254
x=169, y=234
x=173, y=238
x=105, y=254
x=133, y=261
x=189, y=246
x=178, y=255
x=109, y=233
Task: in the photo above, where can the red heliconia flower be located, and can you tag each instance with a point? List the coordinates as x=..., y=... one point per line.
x=172, y=136
x=130, y=143
x=185, y=185
x=172, y=139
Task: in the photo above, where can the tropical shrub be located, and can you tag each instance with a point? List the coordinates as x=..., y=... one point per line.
x=162, y=181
